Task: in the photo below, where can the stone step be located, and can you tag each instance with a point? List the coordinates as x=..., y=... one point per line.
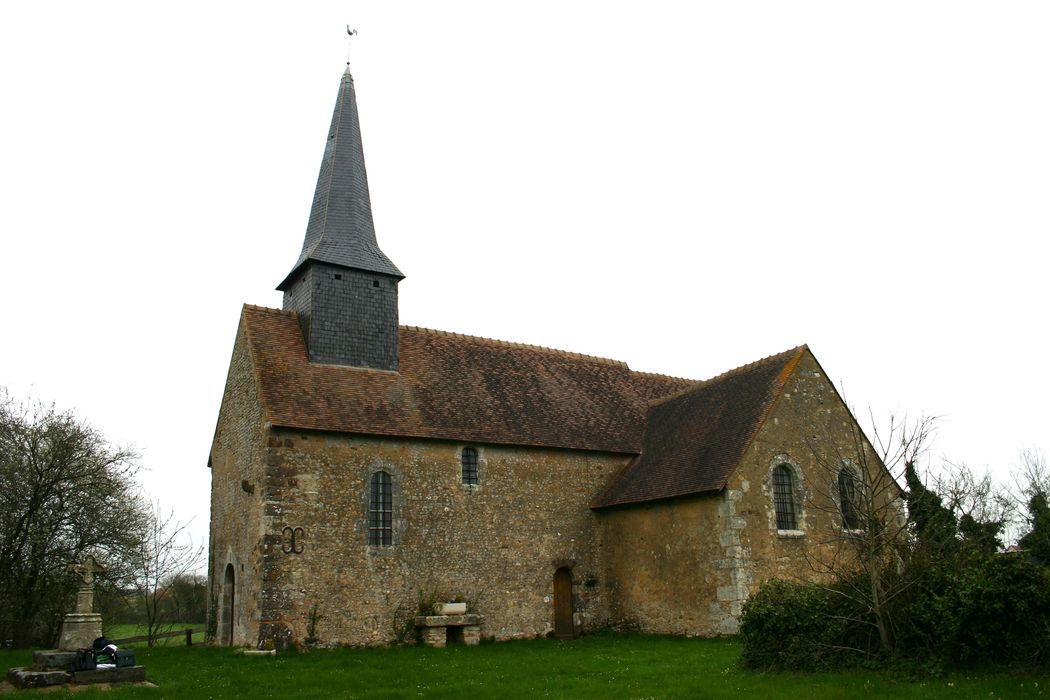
x=28, y=678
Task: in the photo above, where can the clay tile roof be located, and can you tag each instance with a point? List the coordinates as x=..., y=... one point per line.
x=694, y=440
x=455, y=387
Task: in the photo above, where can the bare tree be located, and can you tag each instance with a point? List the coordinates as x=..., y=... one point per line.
x=908, y=565
x=64, y=491
x=189, y=598
x=860, y=501
x=1033, y=485
x=165, y=553
x=887, y=524
x=980, y=507
x=1032, y=475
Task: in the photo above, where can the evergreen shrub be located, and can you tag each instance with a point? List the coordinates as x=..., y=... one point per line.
x=978, y=610
x=993, y=610
x=795, y=626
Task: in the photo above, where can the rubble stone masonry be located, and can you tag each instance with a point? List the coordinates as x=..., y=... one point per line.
x=497, y=544
x=236, y=524
x=686, y=566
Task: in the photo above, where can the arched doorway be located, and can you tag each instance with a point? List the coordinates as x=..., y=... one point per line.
x=226, y=636
x=563, y=628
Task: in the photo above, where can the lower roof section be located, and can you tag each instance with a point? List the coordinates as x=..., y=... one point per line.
x=693, y=441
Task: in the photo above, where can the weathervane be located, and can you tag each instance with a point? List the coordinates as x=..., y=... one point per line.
x=352, y=33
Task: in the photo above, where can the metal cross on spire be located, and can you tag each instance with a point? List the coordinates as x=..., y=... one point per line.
x=350, y=33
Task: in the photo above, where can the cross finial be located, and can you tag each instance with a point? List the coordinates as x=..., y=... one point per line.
x=350, y=33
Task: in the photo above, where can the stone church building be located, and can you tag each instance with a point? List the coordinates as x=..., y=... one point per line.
x=361, y=468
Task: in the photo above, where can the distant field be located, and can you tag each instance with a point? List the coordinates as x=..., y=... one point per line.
x=603, y=666
x=123, y=631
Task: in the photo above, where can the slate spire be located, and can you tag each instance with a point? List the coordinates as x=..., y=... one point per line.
x=343, y=288
x=340, y=231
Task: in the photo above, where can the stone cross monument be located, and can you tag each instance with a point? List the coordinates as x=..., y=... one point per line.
x=81, y=627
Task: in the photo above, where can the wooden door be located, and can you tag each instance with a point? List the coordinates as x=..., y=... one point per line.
x=563, y=604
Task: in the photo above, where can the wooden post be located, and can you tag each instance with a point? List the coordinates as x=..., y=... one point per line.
x=189, y=637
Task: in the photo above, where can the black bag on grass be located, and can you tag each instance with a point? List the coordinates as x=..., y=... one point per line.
x=84, y=661
x=105, y=651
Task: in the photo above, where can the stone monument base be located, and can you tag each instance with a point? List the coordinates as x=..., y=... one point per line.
x=29, y=678
x=51, y=667
x=79, y=630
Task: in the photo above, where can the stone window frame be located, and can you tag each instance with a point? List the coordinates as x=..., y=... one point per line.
x=798, y=496
x=848, y=466
x=481, y=464
x=784, y=497
x=380, y=509
x=396, y=499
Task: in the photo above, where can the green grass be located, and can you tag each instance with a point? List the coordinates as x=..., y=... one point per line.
x=601, y=666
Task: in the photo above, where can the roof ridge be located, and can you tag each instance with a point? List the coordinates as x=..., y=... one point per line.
x=523, y=346
x=728, y=373
x=660, y=375
x=280, y=312
x=751, y=365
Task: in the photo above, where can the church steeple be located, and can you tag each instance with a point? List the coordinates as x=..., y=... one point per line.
x=343, y=286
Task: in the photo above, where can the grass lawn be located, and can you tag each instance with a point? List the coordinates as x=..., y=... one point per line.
x=601, y=666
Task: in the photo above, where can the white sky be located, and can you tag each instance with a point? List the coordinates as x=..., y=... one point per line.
x=684, y=186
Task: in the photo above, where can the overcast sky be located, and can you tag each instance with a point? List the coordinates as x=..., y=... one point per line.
x=687, y=187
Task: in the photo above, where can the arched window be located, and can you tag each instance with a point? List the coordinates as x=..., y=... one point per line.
x=469, y=463
x=380, y=511
x=848, y=499
x=784, y=497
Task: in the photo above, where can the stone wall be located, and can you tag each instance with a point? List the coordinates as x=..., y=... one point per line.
x=812, y=432
x=686, y=566
x=236, y=503
x=657, y=563
x=497, y=543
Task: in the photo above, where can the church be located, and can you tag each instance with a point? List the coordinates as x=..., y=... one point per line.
x=362, y=470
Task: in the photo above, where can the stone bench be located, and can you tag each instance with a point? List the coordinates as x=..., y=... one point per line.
x=439, y=630
x=49, y=669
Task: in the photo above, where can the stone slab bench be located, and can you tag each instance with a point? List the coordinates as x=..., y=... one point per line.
x=53, y=660
x=49, y=668
x=439, y=630
x=29, y=678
